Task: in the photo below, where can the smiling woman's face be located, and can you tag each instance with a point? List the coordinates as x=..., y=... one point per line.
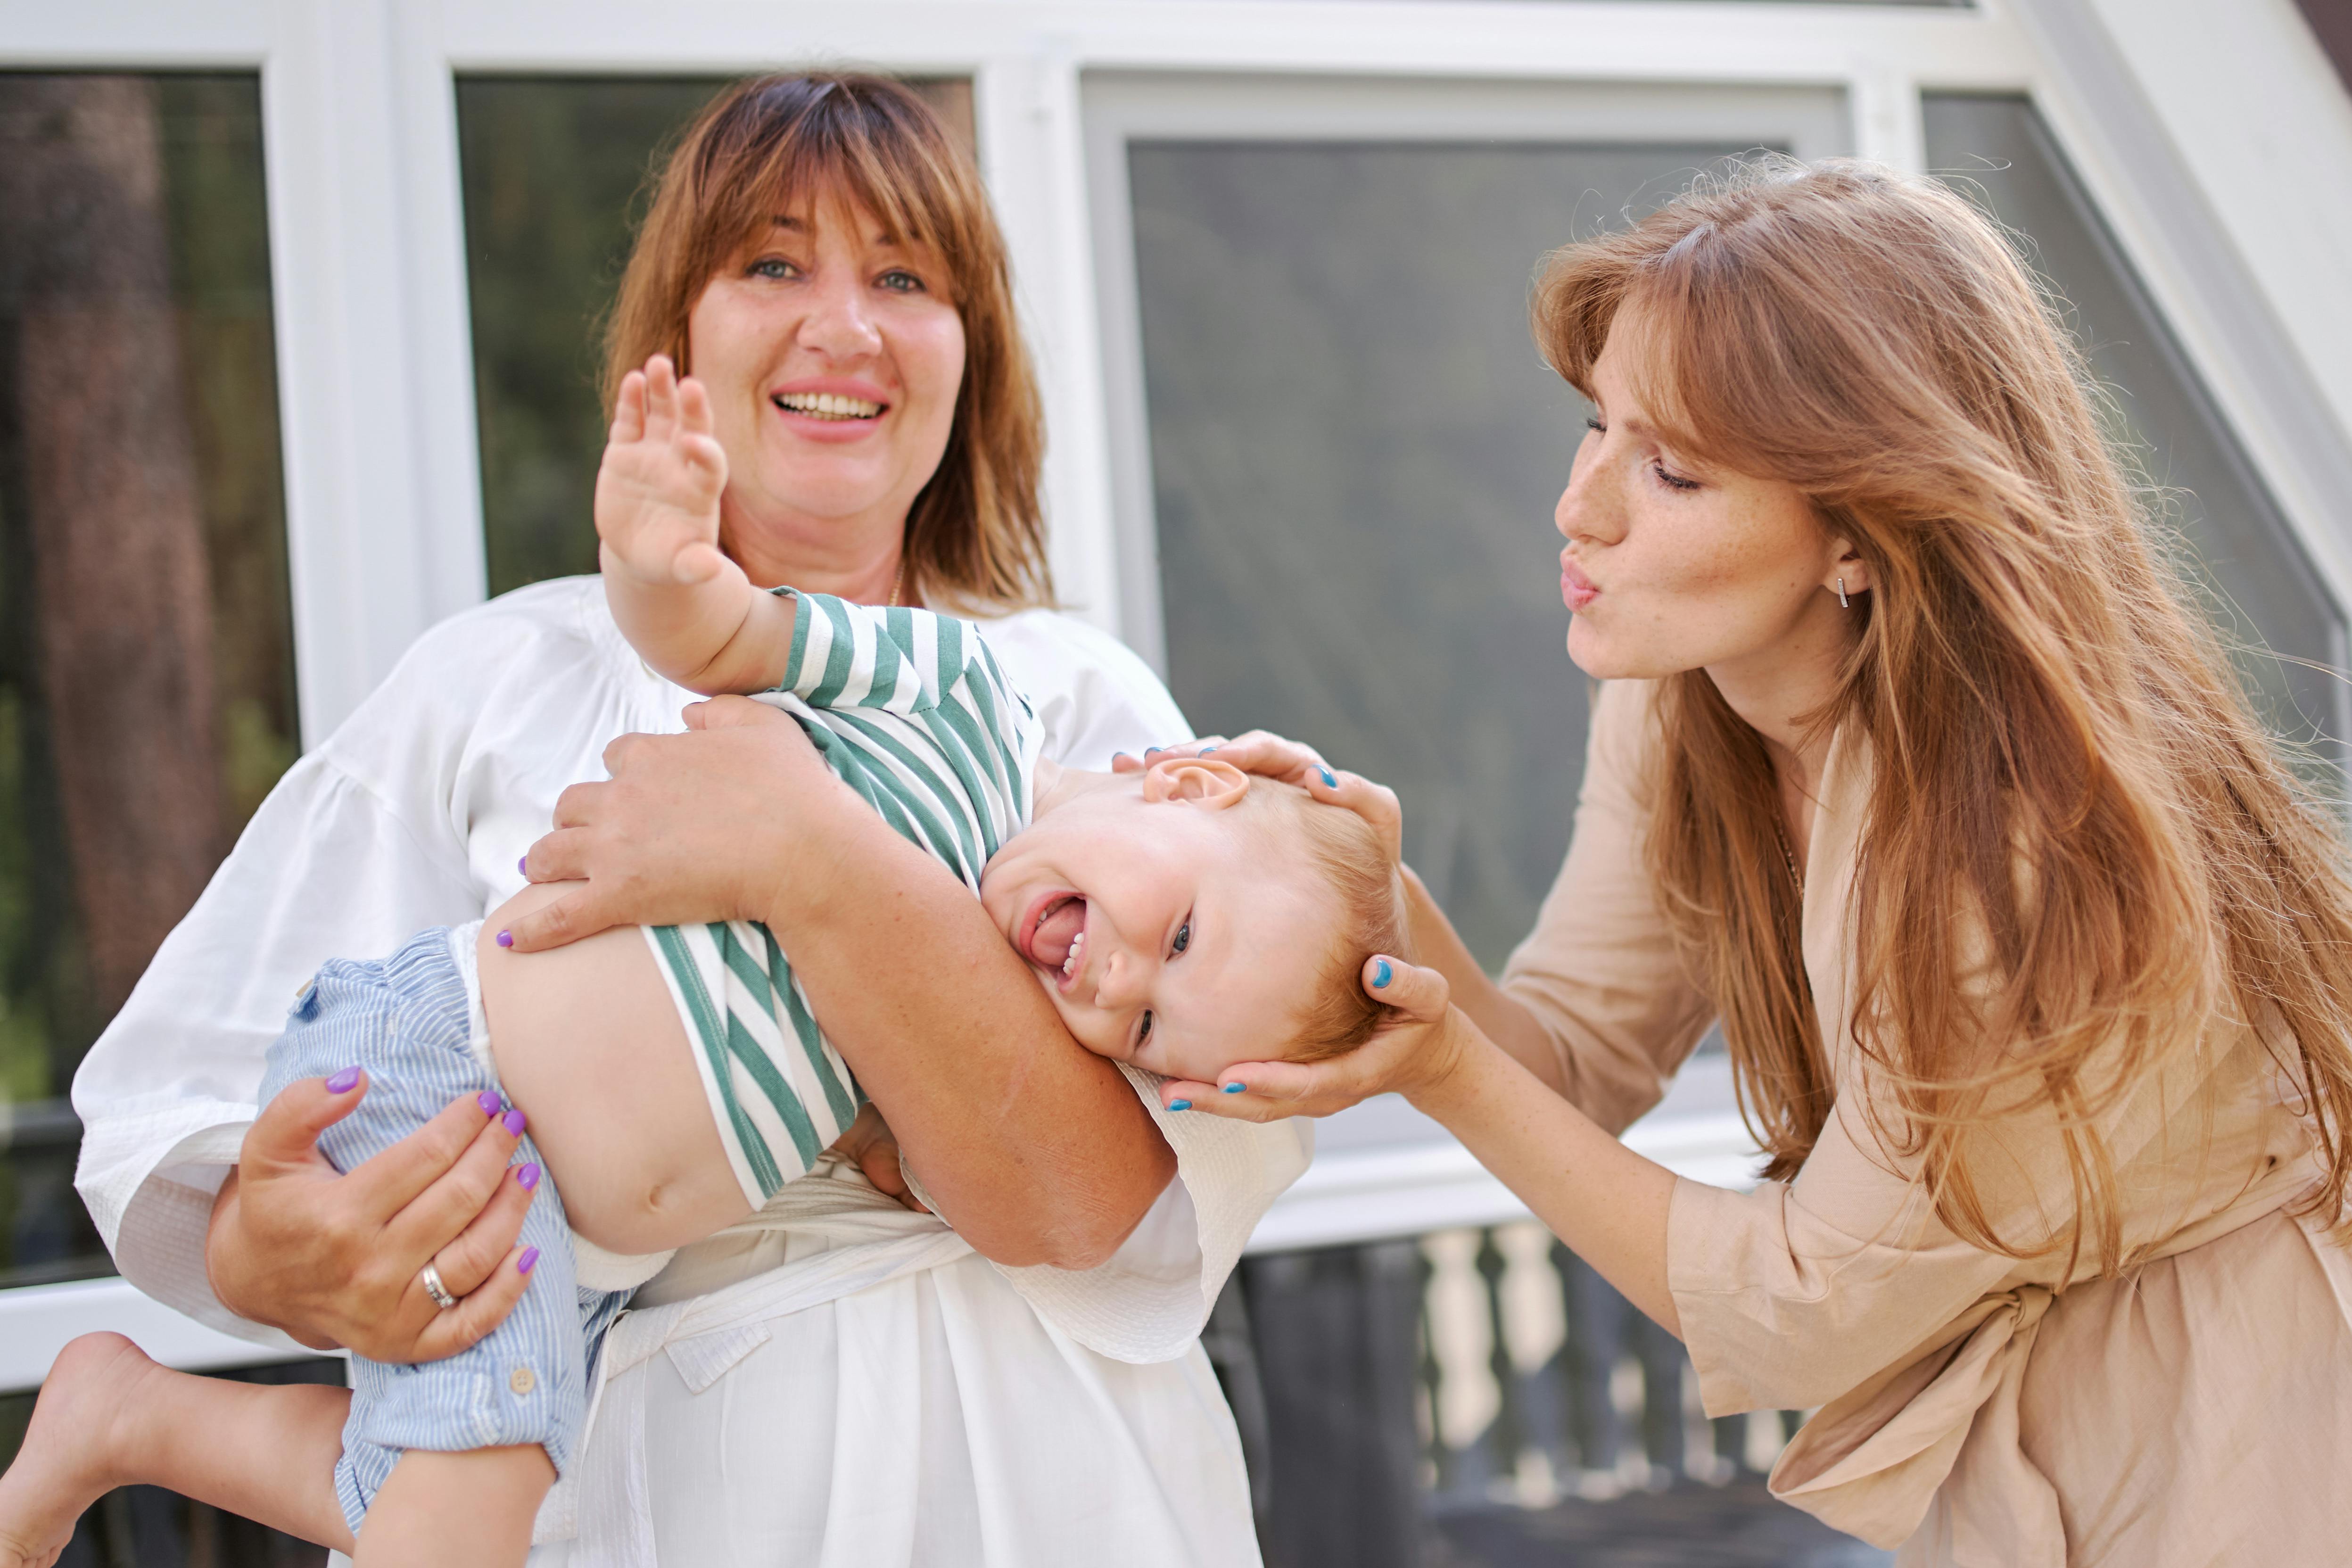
x=832, y=357
x=1674, y=565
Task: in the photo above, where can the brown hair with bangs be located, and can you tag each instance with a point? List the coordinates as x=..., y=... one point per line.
x=2068, y=780
x=976, y=534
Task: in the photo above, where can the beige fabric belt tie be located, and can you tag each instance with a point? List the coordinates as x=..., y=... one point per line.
x=1870, y=1461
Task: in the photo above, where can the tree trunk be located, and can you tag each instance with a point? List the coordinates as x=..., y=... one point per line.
x=105, y=475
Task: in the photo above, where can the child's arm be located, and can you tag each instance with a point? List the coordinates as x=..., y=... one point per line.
x=688, y=609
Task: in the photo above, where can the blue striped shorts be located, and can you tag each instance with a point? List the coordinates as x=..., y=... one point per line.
x=408, y=1021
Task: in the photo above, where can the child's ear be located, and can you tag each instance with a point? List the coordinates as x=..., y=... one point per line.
x=1203, y=782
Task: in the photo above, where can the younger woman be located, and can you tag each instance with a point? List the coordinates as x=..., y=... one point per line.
x=1915, y=768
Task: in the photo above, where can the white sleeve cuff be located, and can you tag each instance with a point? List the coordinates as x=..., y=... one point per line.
x=1148, y=1300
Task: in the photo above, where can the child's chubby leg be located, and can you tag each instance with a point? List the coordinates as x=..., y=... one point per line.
x=452, y=1510
x=587, y=1037
x=108, y=1416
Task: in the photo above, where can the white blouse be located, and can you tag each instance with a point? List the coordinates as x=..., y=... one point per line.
x=851, y=1341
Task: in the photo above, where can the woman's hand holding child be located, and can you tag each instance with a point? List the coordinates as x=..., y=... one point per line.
x=335, y=1259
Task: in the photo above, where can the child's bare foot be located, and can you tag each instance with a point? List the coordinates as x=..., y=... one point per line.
x=71, y=1457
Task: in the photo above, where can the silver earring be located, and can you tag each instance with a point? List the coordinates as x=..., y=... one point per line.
x=1842, y=604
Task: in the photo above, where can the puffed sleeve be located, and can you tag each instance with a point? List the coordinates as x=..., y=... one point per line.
x=324, y=868
x=1600, y=970
x=361, y=844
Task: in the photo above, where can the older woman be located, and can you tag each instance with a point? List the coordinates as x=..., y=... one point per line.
x=1915, y=768
x=845, y=1378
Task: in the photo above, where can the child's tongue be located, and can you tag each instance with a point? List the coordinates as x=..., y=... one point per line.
x=1057, y=931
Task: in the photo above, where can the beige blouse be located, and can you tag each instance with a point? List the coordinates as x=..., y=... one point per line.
x=1974, y=1409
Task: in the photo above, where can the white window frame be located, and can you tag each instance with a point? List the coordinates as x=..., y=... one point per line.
x=2208, y=164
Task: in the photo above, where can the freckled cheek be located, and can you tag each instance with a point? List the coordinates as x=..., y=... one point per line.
x=1710, y=564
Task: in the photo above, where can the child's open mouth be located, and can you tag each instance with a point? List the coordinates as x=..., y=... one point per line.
x=1055, y=938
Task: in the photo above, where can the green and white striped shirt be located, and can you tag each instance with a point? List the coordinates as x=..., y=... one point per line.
x=909, y=708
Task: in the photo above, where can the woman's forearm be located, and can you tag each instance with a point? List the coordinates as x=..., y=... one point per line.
x=1501, y=1018
x=1037, y=1151
x=1607, y=1202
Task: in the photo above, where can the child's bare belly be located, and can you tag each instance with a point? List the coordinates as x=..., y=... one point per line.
x=589, y=1048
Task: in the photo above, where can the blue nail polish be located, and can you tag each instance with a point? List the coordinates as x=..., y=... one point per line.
x=1206, y=750
x=1151, y=750
x=1380, y=976
x=1236, y=1088
x=1179, y=1105
x=1329, y=782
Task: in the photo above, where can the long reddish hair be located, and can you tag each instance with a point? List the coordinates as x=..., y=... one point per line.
x=2069, y=782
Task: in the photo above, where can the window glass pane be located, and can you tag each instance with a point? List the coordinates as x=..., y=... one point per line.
x=556, y=174
x=1355, y=453
x=146, y=643
x=2261, y=588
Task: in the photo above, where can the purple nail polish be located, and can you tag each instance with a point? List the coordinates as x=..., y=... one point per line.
x=522, y=864
x=514, y=1122
x=344, y=1081
x=527, y=1261
x=528, y=1175
x=506, y=938
x=490, y=1102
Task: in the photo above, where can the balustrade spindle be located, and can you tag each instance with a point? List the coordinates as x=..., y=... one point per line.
x=1532, y=1304
x=1462, y=1342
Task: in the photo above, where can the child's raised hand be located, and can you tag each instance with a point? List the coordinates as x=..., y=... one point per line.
x=657, y=492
